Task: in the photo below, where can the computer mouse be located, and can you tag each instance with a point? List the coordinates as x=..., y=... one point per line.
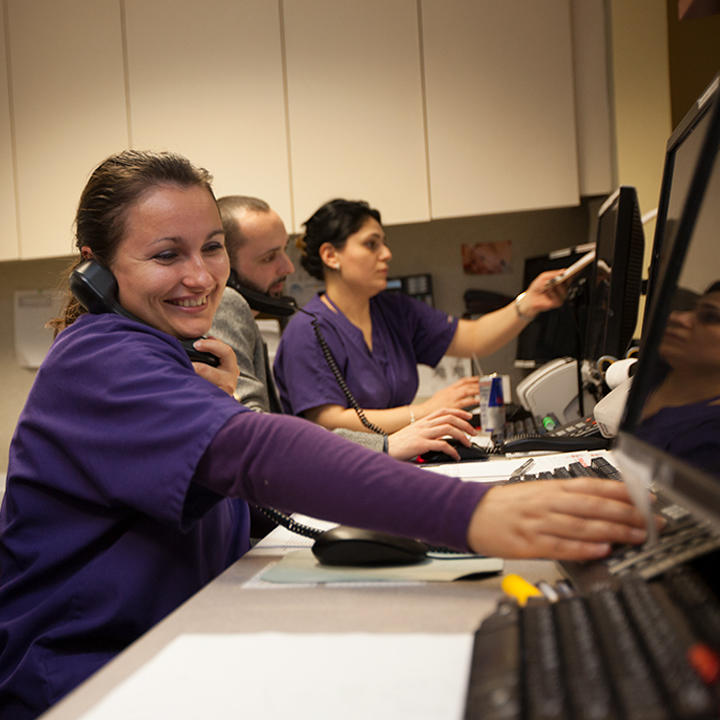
x=345, y=545
x=466, y=453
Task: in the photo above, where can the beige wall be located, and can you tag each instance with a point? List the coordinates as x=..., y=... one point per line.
x=640, y=79
x=19, y=275
x=694, y=48
x=641, y=97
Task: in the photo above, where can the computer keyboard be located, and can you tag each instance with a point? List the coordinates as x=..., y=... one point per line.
x=684, y=537
x=614, y=653
x=548, y=433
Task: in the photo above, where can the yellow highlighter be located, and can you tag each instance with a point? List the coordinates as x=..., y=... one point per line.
x=519, y=588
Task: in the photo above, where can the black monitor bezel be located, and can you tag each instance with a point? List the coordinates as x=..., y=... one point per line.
x=694, y=487
x=626, y=223
x=684, y=129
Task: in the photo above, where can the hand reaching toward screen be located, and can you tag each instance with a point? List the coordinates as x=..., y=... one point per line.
x=462, y=393
x=225, y=375
x=574, y=519
x=539, y=297
x=426, y=433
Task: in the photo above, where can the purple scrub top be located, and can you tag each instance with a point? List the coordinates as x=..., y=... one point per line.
x=405, y=332
x=102, y=532
x=690, y=432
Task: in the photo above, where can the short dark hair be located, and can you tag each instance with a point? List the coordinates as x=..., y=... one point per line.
x=113, y=188
x=230, y=206
x=334, y=222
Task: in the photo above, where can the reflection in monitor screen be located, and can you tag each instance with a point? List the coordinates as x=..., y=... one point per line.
x=674, y=405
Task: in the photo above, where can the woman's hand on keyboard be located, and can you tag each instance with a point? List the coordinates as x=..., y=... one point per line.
x=577, y=519
x=426, y=433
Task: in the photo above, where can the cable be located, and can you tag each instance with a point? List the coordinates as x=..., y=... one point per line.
x=332, y=364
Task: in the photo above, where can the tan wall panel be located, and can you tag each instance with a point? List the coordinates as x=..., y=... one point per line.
x=355, y=105
x=69, y=105
x=9, y=248
x=205, y=80
x=501, y=115
x=596, y=150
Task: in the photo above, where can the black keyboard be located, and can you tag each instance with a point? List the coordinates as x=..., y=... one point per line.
x=618, y=653
x=684, y=537
x=549, y=434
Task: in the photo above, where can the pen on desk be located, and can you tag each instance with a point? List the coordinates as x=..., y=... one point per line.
x=519, y=588
x=517, y=472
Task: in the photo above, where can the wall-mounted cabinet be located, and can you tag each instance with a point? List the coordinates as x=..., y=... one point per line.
x=355, y=105
x=69, y=109
x=430, y=109
x=8, y=221
x=501, y=114
x=206, y=79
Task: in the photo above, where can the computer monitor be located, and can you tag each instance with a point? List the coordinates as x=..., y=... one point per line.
x=671, y=426
x=555, y=333
x=615, y=278
x=680, y=156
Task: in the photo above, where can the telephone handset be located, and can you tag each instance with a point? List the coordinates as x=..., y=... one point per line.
x=282, y=306
x=96, y=288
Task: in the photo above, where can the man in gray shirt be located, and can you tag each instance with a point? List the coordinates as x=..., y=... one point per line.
x=256, y=241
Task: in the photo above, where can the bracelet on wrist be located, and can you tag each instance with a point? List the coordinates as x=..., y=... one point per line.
x=519, y=310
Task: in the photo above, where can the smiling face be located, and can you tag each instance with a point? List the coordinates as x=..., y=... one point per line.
x=261, y=262
x=171, y=265
x=363, y=261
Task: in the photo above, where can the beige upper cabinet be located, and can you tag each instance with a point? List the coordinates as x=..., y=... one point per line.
x=500, y=105
x=355, y=105
x=69, y=110
x=424, y=108
x=205, y=79
x=9, y=249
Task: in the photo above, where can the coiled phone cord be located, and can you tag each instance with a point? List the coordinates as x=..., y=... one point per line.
x=310, y=532
x=285, y=520
x=332, y=364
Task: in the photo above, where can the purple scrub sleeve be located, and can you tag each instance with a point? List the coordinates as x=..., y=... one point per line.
x=405, y=332
x=126, y=493
x=329, y=477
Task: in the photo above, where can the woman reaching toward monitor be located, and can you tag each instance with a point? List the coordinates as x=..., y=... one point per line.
x=377, y=339
x=130, y=470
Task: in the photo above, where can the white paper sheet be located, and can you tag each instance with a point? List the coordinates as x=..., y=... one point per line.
x=313, y=676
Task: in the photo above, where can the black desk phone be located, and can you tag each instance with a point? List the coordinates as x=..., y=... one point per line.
x=96, y=288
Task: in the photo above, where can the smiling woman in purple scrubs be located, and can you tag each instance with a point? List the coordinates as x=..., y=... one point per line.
x=131, y=469
x=378, y=339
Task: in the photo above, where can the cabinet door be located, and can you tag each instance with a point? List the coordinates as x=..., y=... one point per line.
x=500, y=106
x=206, y=80
x=355, y=105
x=66, y=62
x=9, y=249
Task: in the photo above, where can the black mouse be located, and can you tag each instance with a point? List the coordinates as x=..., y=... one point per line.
x=344, y=545
x=466, y=453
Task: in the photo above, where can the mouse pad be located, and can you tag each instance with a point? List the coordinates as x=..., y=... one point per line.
x=301, y=566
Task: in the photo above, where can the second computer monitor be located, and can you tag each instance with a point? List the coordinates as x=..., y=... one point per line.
x=616, y=277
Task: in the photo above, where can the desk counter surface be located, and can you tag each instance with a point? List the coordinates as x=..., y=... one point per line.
x=229, y=605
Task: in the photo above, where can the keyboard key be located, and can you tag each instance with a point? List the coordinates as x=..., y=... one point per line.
x=689, y=697
x=631, y=674
x=544, y=689
x=589, y=693
x=494, y=685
